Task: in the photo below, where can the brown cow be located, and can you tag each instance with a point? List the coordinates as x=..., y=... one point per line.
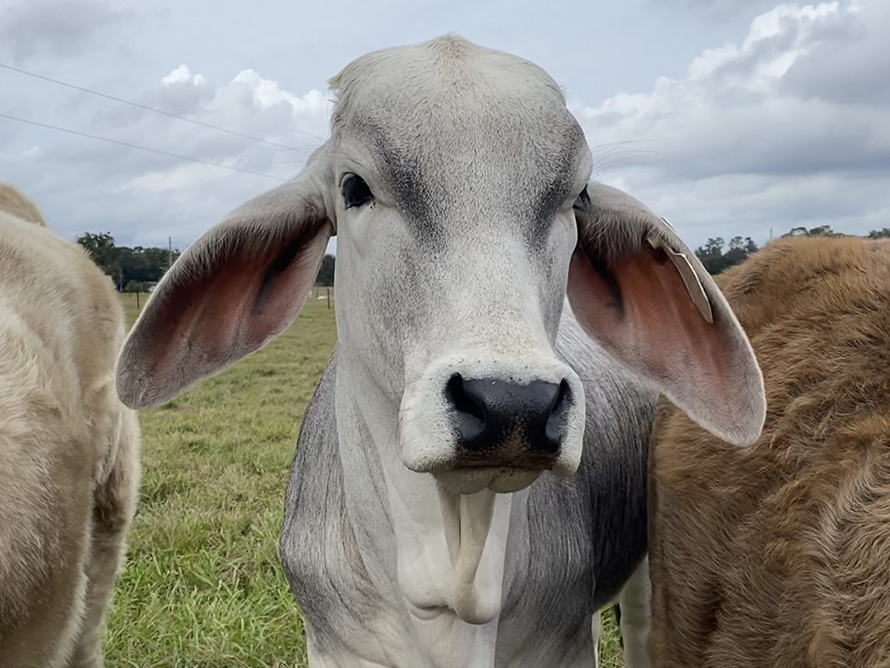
x=778, y=555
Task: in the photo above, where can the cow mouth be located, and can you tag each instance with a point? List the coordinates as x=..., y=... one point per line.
x=500, y=479
x=515, y=453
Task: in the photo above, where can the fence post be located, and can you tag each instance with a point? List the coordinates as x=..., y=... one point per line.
x=137, y=300
x=328, y=290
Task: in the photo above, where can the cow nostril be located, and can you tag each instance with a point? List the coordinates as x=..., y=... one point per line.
x=470, y=413
x=495, y=415
x=555, y=426
x=461, y=398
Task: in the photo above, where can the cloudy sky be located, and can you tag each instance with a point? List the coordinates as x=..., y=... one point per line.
x=729, y=117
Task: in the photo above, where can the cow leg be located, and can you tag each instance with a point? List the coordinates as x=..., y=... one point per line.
x=114, y=503
x=636, y=617
x=44, y=543
x=596, y=627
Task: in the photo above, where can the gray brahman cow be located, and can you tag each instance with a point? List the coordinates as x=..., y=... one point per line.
x=470, y=483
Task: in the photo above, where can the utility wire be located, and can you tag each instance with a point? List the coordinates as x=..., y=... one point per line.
x=141, y=148
x=159, y=111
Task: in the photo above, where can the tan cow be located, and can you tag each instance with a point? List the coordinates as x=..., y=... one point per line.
x=778, y=555
x=68, y=448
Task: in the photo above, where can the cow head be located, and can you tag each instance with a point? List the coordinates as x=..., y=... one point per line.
x=458, y=185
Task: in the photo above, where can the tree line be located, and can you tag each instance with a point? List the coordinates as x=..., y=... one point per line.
x=136, y=269
x=131, y=269
x=715, y=256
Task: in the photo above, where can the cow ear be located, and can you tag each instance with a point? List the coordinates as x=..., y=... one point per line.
x=230, y=293
x=644, y=296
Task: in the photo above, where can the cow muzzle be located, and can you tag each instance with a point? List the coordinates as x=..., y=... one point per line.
x=491, y=424
x=501, y=423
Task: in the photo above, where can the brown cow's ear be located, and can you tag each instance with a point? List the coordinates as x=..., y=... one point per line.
x=230, y=293
x=639, y=291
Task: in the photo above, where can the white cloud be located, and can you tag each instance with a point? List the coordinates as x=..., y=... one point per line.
x=752, y=138
x=87, y=185
x=183, y=74
x=781, y=122
x=267, y=93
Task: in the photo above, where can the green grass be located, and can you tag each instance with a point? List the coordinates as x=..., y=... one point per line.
x=203, y=586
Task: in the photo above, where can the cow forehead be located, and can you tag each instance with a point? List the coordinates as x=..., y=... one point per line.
x=443, y=65
x=453, y=106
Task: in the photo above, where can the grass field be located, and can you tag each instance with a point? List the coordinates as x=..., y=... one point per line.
x=203, y=586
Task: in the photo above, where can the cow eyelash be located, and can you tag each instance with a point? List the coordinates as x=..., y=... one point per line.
x=355, y=191
x=583, y=201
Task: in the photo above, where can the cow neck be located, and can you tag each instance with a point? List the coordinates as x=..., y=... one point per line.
x=449, y=549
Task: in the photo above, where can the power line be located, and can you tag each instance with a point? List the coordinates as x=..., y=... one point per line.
x=141, y=148
x=159, y=111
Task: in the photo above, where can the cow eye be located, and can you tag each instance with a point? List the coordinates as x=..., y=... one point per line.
x=355, y=191
x=583, y=201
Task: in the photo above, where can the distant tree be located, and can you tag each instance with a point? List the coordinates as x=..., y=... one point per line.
x=880, y=234
x=821, y=231
x=146, y=265
x=133, y=286
x=714, y=247
x=104, y=253
x=125, y=265
x=325, y=276
x=711, y=255
x=715, y=260
x=736, y=253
